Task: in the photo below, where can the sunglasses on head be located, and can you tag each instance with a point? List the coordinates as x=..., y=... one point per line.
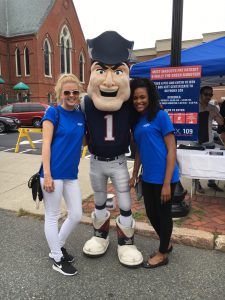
x=208, y=94
x=68, y=93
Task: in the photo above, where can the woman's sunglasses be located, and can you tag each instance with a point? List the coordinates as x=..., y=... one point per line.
x=68, y=93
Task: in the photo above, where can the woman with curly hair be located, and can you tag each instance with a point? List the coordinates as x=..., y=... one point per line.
x=156, y=152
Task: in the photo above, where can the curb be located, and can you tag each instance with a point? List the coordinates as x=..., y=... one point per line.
x=183, y=236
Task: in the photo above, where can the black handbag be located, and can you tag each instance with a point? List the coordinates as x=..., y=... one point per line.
x=35, y=185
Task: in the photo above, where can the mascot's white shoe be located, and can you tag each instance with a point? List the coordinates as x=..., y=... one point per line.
x=99, y=243
x=128, y=253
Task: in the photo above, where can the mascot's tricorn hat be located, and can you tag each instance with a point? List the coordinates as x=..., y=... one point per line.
x=110, y=48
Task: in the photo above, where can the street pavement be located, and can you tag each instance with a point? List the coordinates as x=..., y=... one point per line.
x=26, y=271
x=9, y=139
x=16, y=169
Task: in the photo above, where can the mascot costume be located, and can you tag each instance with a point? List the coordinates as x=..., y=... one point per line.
x=108, y=136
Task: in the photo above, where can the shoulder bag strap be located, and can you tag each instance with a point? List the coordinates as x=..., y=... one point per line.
x=57, y=123
x=55, y=129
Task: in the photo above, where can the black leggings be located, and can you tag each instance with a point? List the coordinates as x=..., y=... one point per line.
x=159, y=215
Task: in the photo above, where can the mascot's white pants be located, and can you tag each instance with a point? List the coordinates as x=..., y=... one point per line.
x=117, y=171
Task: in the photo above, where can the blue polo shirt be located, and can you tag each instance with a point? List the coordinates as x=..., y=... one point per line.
x=67, y=141
x=149, y=137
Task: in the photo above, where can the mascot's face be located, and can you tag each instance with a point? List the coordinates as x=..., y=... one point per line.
x=109, y=86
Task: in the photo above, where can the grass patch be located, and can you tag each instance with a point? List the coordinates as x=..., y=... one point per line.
x=198, y=212
x=178, y=222
x=139, y=215
x=24, y=213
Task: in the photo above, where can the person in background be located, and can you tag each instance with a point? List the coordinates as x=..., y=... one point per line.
x=156, y=151
x=221, y=128
x=63, y=131
x=206, y=93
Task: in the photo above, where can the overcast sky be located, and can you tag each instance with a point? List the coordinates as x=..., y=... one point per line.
x=145, y=21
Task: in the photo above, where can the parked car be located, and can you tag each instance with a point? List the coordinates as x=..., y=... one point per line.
x=53, y=104
x=30, y=114
x=7, y=124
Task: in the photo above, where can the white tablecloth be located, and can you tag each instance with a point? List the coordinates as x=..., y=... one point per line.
x=200, y=165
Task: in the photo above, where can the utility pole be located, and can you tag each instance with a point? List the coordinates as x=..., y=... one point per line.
x=179, y=207
x=176, y=39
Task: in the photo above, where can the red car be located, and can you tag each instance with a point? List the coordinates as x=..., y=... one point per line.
x=29, y=113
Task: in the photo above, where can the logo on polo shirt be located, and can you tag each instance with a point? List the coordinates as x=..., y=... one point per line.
x=80, y=124
x=147, y=124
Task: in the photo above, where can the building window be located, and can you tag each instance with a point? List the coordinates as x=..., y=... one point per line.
x=18, y=64
x=50, y=98
x=26, y=62
x=62, y=52
x=47, y=58
x=67, y=56
x=81, y=67
x=65, y=50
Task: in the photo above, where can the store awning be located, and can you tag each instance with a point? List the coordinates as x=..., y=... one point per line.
x=2, y=80
x=21, y=86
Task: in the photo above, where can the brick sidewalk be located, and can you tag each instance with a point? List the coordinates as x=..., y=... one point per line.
x=207, y=212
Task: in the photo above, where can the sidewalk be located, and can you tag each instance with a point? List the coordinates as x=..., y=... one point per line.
x=207, y=211
x=204, y=226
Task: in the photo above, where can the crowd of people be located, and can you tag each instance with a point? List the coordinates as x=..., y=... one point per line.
x=115, y=111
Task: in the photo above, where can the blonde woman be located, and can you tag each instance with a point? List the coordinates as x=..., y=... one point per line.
x=63, y=131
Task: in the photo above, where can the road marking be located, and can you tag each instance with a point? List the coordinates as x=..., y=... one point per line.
x=2, y=133
x=28, y=150
x=27, y=142
x=8, y=149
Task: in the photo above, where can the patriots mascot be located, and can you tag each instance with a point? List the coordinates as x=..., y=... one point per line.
x=108, y=122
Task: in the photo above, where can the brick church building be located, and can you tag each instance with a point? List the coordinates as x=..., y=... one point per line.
x=39, y=40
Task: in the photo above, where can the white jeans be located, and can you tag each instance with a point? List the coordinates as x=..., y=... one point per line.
x=70, y=191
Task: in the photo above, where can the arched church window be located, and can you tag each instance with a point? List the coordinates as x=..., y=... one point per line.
x=26, y=61
x=18, y=63
x=65, y=50
x=47, y=58
x=81, y=67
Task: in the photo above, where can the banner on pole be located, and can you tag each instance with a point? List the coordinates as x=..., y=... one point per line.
x=179, y=89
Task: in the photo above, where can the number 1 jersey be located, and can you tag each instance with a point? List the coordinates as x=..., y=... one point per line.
x=108, y=133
